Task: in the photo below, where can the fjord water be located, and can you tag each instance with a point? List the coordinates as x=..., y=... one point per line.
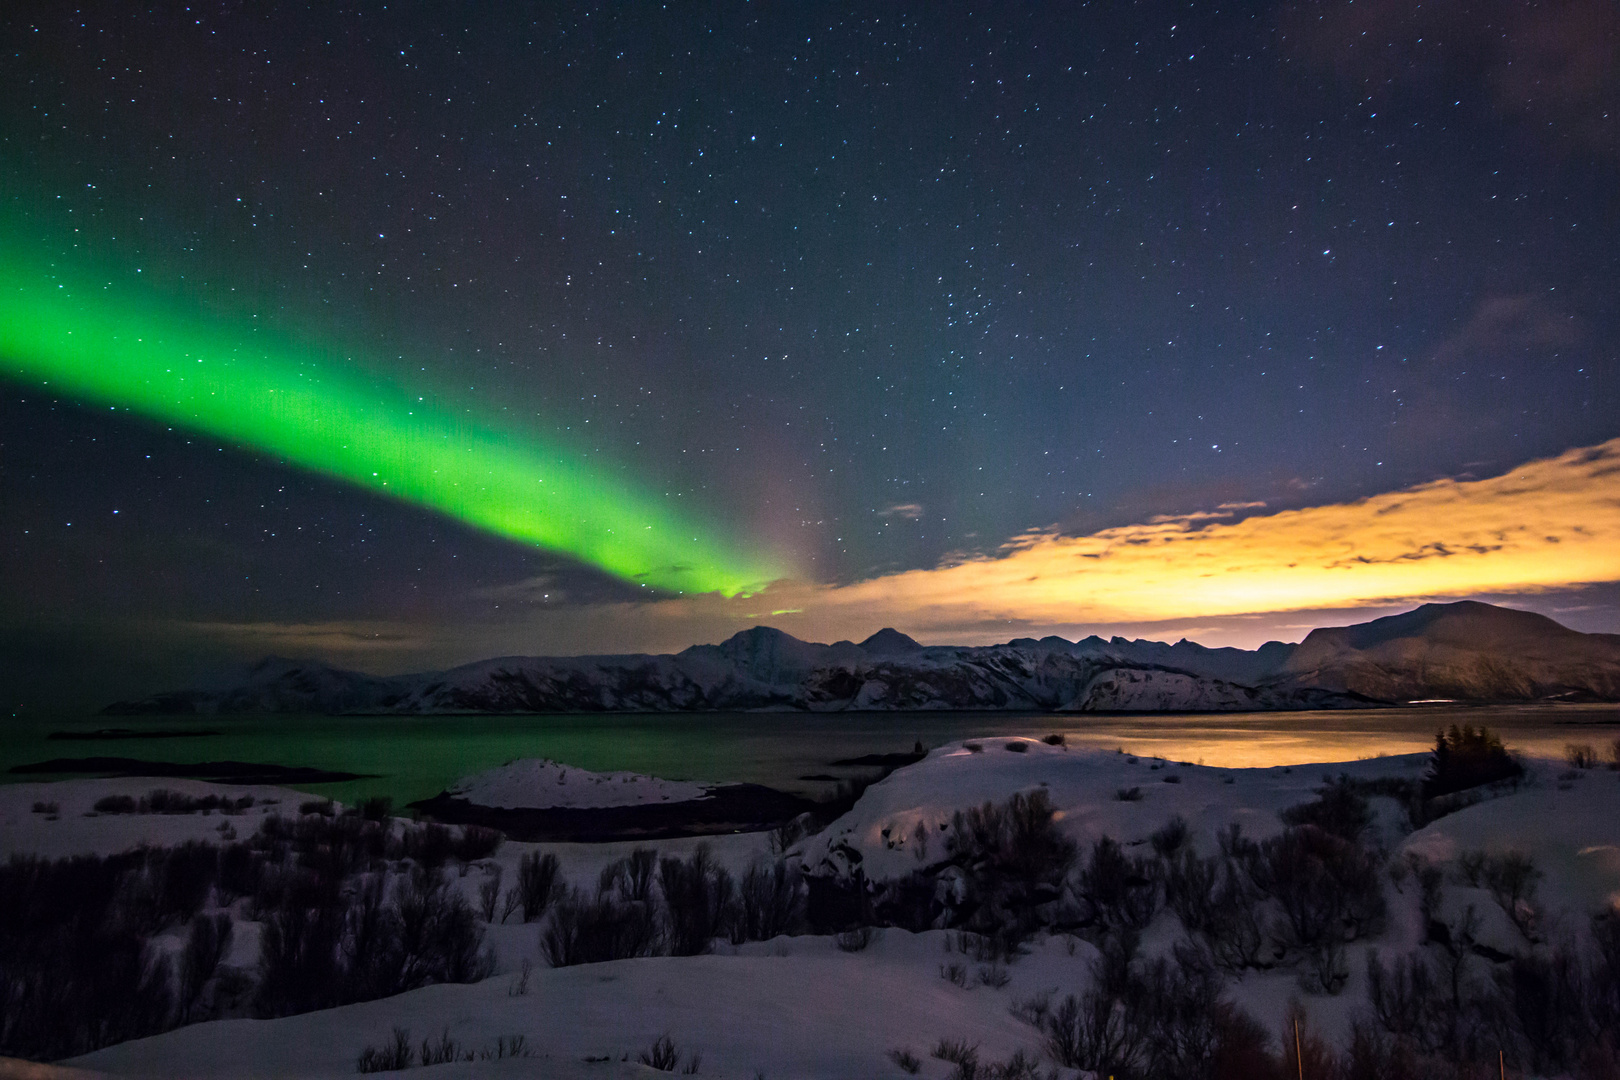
x=414, y=757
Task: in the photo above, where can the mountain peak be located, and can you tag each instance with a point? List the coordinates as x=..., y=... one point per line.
x=890, y=642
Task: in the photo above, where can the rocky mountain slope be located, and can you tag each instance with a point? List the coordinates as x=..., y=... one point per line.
x=1466, y=651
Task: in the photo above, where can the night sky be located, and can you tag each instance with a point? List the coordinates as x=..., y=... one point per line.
x=852, y=291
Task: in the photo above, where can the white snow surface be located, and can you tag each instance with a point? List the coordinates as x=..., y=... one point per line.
x=79, y=830
x=543, y=784
x=798, y=1007
x=1083, y=786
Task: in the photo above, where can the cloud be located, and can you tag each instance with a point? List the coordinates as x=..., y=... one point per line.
x=909, y=511
x=1552, y=69
x=1549, y=524
x=309, y=638
x=1510, y=324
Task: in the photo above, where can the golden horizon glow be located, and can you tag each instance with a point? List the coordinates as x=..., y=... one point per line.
x=1548, y=524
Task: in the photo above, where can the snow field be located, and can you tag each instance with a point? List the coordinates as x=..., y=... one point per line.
x=798, y=1007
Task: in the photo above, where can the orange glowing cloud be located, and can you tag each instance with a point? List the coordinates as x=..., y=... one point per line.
x=1553, y=523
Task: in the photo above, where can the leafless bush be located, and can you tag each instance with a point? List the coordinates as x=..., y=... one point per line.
x=1581, y=755
x=1512, y=878
x=1339, y=809
x=206, y=944
x=662, y=1055
x=586, y=931
x=477, y=842
x=428, y=845
x=1548, y=998
x=442, y=1052
x=1171, y=837
x=1121, y=890
x=698, y=899
x=377, y=808
x=511, y=902
x=392, y=1057
x=1325, y=885
x=489, y=894
x=905, y=1060
x=955, y=1051
x=772, y=902
x=1130, y=794
x=537, y=881
x=1091, y=1033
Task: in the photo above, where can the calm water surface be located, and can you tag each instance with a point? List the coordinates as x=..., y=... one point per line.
x=416, y=757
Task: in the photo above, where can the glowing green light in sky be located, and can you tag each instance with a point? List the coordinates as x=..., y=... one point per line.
x=139, y=353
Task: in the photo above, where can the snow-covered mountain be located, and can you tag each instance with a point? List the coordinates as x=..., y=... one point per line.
x=1466, y=651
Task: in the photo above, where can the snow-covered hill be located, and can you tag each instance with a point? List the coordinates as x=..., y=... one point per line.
x=803, y=1006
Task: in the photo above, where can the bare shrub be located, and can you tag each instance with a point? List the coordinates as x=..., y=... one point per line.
x=772, y=902
x=1339, y=809
x=1090, y=1033
x=1547, y=997
x=905, y=1060
x=477, y=842
x=428, y=845
x=442, y=1052
x=76, y=970
x=1408, y=1000
x=438, y=934
x=206, y=944
x=1327, y=887
x=1171, y=837
x=392, y=1057
x=537, y=881
x=1121, y=890
x=376, y=808
x=489, y=894
x=994, y=976
x=1130, y=794
x=1512, y=879
x=698, y=899
x=115, y=804
x=1581, y=755
x=955, y=1051
x=662, y=1055
x=586, y=931
x=1056, y=738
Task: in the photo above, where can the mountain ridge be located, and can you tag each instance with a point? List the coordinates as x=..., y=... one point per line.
x=1467, y=651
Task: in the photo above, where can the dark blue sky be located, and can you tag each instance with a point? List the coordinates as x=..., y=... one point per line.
x=872, y=284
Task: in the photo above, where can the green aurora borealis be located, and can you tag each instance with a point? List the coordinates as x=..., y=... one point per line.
x=148, y=355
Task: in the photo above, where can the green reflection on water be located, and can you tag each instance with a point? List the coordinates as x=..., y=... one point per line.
x=413, y=757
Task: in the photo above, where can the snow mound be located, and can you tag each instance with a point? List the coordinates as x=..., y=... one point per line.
x=883, y=834
x=541, y=784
